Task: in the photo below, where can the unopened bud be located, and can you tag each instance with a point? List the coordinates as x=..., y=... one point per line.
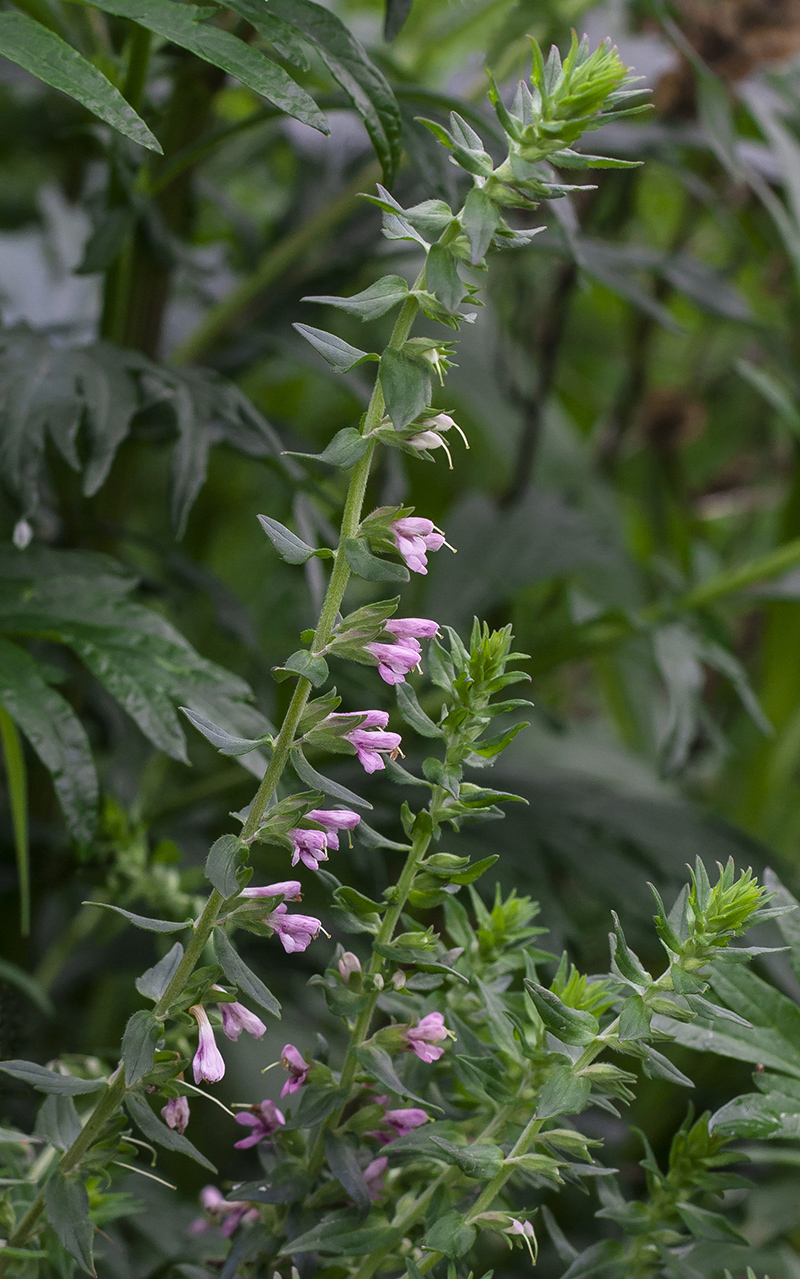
x=349, y=964
x=377, y=981
x=398, y=979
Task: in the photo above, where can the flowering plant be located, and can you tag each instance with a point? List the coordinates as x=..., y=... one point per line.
x=453, y=1106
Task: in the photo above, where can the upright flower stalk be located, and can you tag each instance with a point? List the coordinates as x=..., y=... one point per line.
x=398, y=1006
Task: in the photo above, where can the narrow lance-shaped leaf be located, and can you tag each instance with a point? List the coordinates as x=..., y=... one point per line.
x=67, y=1206
x=180, y=24
x=46, y=56
x=225, y=857
x=351, y=66
x=142, y=1033
x=237, y=972
x=44, y=1080
x=154, y=1130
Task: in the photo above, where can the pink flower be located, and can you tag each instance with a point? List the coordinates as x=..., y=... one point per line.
x=524, y=1230
x=368, y=744
x=414, y=537
x=334, y=820
x=422, y=1039
x=349, y=964
x=264, y=1120
x=289, y=888
x=373, y=1175
x=296, y=932
x=405, y=1121
x=228, y=1212
x=395, y=660
x=310, y=847
x=372, y=746
x=297, y=1066
x=412, y=627
x=176, y=1113
x=236, y=1018
x=208, y=1063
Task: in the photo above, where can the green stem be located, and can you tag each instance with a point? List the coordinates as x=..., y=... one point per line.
x=231, y=312
x=413, y=1213
x=105, y=1108
x=17, y=778
x=116, y=291
x=206, y=922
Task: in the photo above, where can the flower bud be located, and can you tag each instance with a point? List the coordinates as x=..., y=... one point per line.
x=349, y=964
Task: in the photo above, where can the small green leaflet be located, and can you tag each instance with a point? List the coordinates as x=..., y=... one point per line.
x=155, y=980
x=142, y=921
x=154, y=1130
x=225, y=743
x=142, y=1033
x=238, y=974
x=371, y=303
x=44, y=1080
x=46, y=56
x=363, y=563
x=442, y=278
x=481, y=216
x=450, y=1236
x=413, y=714
x=339, y=354
x=67, y=1206
x=343, y=1163
x=289, y=546
x=344, y=450
x=308, y=665
x=406, y=387
x=58, y=1122
x=562, y=1093
x=225, y=857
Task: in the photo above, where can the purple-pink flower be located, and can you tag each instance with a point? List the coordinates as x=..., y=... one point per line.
x=373, y=1175
x=293, y=1061
x=309, y=847
x=395, y=660
x=416, y=536
x=176, y=1113
x=288, y=888
x=296, y=932
x=371, y=742
x=424, y=1038
x=412, y=627
x=208, y=1063
x=228, y=1212
x=334, y=820
x=263, y=1120
x=236, y=1018
x=406, y=1120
